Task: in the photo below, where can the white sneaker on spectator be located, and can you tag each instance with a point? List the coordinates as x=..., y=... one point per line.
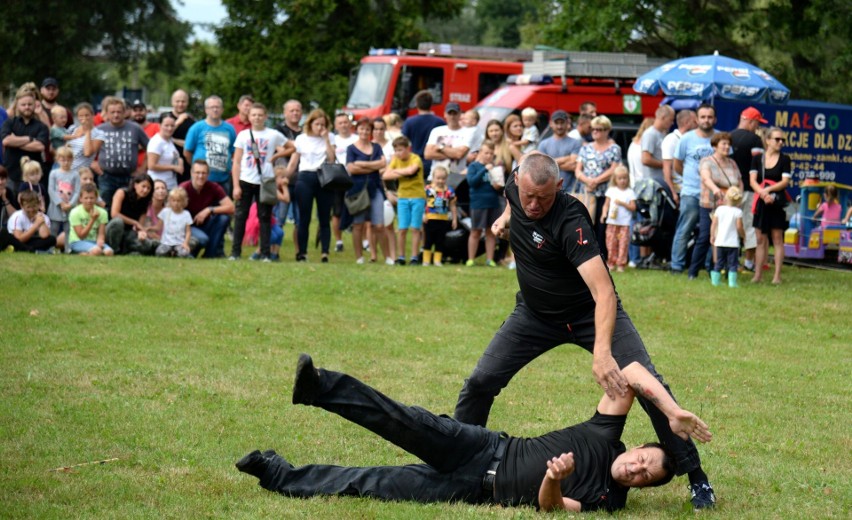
x=389, y=261
x=360, y=260
x=631, y=264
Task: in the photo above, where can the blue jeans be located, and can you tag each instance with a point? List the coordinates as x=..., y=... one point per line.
x=686, y=222
x=211, y=236
x=701, y=254
x=524, y=337
x=457, y=455
x=307, y=189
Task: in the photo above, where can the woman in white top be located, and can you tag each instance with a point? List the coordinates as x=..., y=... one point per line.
x=313, y=148
x=164, y=161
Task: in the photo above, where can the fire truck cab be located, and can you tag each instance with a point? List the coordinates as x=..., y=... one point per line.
x=388, y=79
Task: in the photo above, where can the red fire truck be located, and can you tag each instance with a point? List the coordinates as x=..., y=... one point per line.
x=388, y=79
x=562, y=80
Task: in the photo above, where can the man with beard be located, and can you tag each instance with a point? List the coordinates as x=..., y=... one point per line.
x=139, y=115
x=23, y=136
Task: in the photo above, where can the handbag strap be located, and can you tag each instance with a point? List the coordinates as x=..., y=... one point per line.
x=722, y=170
x=255, y=150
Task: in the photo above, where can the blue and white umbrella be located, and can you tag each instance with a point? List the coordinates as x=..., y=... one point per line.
x=713, y=76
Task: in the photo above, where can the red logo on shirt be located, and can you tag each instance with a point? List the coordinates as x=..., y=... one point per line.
x=580, y=240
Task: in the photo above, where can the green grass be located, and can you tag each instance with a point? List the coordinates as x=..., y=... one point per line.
x=178, y=368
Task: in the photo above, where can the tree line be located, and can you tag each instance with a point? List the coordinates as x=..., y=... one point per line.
x=307, y=49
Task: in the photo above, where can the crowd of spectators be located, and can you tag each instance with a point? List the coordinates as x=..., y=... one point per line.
x=115, y=182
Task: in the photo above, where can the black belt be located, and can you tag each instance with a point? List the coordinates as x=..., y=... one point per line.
x=491, y=474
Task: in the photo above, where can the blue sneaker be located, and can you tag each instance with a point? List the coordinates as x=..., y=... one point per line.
x=702, y=495
x=255, y=256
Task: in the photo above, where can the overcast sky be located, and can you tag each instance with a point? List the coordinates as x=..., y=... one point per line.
x=201, y=11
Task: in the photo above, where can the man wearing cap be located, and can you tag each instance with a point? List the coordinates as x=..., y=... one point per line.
x=448, y=145
x=747, y=144
x=417, y=128
x=240, y=121
x=23, y=135
x=49, y=92
x=139, y=115
x=562, y=148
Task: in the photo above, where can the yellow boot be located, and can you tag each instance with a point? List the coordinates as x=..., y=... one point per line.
x=427, y=257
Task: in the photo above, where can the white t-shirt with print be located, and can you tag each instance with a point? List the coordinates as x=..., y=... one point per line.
x=168, y=156
x=461, y=137
x=622, y=214
x=267, y=140
x=340, y=146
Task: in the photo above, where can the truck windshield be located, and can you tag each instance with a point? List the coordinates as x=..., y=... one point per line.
x=371, y=85
x=486, y=114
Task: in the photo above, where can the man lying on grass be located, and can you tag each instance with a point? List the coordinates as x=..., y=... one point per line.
x=581, y=468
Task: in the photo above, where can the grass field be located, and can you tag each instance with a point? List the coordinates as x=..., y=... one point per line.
x=179, y=368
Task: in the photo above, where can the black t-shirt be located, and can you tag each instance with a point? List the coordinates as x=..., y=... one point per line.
x=132, y=207
x=595, y=444
x=548, y=252
x=12, y=155
x=745, y=144
x=773, y=174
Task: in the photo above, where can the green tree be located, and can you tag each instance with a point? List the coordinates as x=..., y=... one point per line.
x=53, y=38
x=305, y=49
x=804, y=43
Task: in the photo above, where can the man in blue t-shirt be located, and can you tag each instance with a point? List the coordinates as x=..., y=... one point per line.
x=693, y=146
x=417, y=128
x=562, y=148
x=212, y=139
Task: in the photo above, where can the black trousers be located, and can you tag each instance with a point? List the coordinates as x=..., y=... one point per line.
x=456, y=455
x=251, y=193
x=435, y=232
x=524, y=336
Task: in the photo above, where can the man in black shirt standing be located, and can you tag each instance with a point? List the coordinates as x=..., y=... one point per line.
x=566, y=296
x=581, y=468
x=746, y=144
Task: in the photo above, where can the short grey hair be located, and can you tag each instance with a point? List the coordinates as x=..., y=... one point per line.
x=213, y=98
x=540, y=167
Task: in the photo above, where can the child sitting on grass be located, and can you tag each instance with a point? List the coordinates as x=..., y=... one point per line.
x=175, y=224
x=29, y=227
x=87, y=236
x=725, y=233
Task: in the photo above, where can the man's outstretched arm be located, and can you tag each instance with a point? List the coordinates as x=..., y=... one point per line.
x=642, y=383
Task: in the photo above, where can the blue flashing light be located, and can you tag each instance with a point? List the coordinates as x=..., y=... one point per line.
x=530, y=79
x=383, y=52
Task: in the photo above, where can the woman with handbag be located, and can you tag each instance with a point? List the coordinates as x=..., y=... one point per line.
x=366, y=199
x=314, y=148
x=718, y=172
x=769, y=177
x=254, y=151
x=596, y=162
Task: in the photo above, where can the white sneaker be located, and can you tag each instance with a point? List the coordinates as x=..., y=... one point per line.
x=512, y=266
x=437, y=264
x=360, y=260
x=389, y=261
x=631, y=264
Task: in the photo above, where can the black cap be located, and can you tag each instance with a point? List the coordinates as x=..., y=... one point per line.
x=453, y=107
x=559, y=114
x=50, y=82
x=137, y=104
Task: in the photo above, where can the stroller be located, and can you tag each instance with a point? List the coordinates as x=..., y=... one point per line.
x=655, y=222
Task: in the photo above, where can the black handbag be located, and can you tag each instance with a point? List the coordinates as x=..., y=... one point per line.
x=334, y=177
